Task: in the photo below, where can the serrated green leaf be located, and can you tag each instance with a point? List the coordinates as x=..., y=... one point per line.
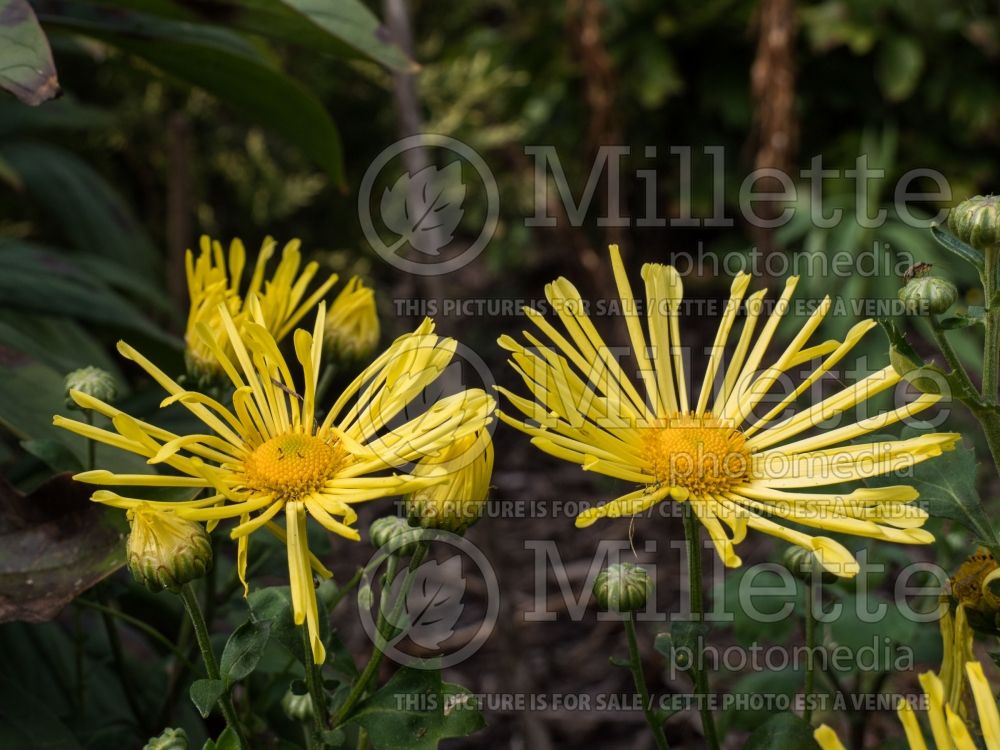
x=414, y=710
x=205, y=694
x=243, y=650
x=947, y=487
x=26, y=67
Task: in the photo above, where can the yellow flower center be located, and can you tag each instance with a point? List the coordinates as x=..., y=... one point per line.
x=700, y=454
x=292, y=465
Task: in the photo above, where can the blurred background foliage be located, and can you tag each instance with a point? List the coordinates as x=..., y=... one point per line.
x=259, y=117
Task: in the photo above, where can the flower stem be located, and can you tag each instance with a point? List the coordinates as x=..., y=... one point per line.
x=635, y=666
x=91, y=444
x=383, y=630
x=314, y=684
x=810, y=659
x=991, y=349
x=964, y=390
x=193, y=608
x=692, y=533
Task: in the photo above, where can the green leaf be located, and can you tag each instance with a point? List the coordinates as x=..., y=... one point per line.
x=228, y=740
x=26, y=67
x=947, y=487
x=205, y=694
x=54, y=544
x=414, y=710
x=43, y=281
x=225, y=65
x=954, y=245
x=54, y=454
x=784, y=731
x=274, y=606
x=686, y=638
x=91, y=214
x=743, y=713
x=27, y=724
x=243, y=650
x=898, y=67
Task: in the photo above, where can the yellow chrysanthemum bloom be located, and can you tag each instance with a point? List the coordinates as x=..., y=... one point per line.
x=459, y=501
x=947, y=728
x=214, y=281
x=710, y=449
x=266, y=452
x=352, y=327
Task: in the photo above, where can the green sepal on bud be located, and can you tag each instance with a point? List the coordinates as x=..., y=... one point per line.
x=165, y=551
x=297, y=707
x=928, y=295
x=93, y=381
x=976, y=221
x=169, y=739
x=623, y=587
x=804, y=565
x=396, y=533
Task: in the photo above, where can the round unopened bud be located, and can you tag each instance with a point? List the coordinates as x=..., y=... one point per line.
x=297, y=707
x=165, y=551
x=928, y=295
x=169, y=739
x=458, y=501
x=803, y=564
x=623, y=587
x=976, y=221
x=92, y=381
x=396, y=532
x=352, y=329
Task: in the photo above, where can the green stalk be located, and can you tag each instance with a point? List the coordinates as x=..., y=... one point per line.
x=383, y=630
x=692, y=533
x=991, y=349
x=314, y=684
x=138, y=624
x=964, y=390
x=193, y=608
x=635, y=666
x=810, y=660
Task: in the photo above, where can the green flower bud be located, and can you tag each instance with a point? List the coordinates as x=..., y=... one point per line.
x=170, y=739
x=623, y=587
x=93, y=381
x=460, y=499
x=803, y=565
x=352, y=326
x=977, y=221
x=165, y=551
x=297, y=707
x=389, y=529
x=928, y=295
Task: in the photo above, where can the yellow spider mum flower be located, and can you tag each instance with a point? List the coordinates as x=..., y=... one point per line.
x=458, y=502
x=266, y=452
x=948, y=730
x=352, y=327
x=214, y=280
x=710, y=448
